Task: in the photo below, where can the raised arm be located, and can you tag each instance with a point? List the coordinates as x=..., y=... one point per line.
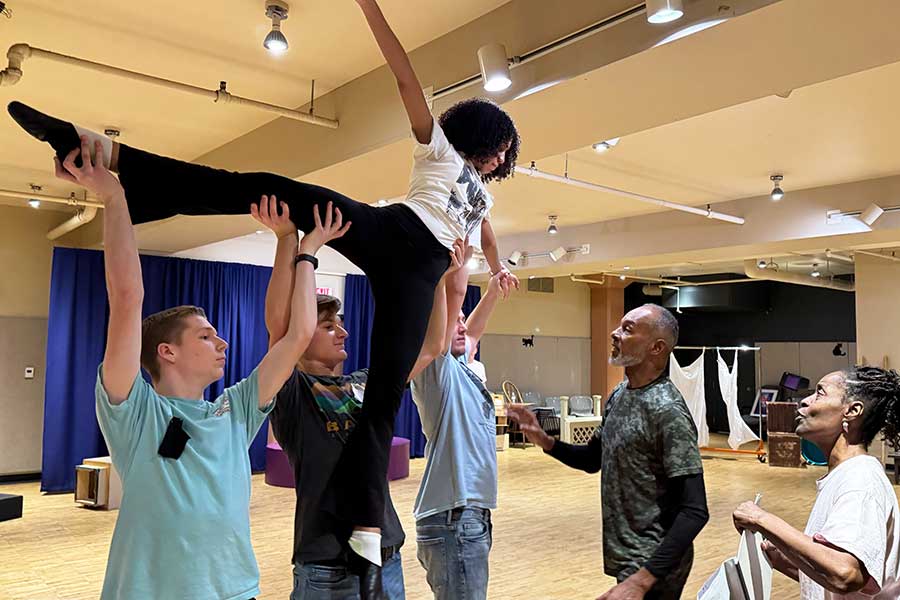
x=492, y=255
x=281, y=283
x=124, y=287
x=280, y=360
x=434, y=342
x=457, y=282
x=417, y=110
x=478, y=319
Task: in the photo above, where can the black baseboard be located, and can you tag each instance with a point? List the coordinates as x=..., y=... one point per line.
x=20, y=477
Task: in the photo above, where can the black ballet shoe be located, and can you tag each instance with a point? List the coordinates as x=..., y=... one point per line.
x=61, y=135
x=369, y=575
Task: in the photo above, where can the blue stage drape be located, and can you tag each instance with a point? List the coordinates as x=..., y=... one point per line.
x=233, y=296
x=359, y=310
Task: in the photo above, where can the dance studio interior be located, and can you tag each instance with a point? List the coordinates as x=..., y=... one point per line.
x=732, y=162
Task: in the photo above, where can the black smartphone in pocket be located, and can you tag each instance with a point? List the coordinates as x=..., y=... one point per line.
x=175, y=440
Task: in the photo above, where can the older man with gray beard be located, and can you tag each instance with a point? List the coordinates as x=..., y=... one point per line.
x=652, y=493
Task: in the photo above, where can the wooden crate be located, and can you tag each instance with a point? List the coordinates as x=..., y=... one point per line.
x=784, y=450
x=781, y=417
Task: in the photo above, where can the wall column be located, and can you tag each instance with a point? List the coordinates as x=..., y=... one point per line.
x=607, y=310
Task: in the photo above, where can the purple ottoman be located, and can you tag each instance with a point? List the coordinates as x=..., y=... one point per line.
x=398, y=467
x=278, y=467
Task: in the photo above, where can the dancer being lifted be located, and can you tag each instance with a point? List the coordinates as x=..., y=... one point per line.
x=403, y=248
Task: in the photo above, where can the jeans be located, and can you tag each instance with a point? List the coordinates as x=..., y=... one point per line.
x=399, y=254
x=333, y=582
x=453, y=546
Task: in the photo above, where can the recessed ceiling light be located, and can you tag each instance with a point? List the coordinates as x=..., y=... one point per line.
x=552, y=229
x=34, y=203
x=605, y=146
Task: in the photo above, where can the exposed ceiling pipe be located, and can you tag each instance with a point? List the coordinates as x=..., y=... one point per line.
x=754, y=272
x=71, y=200
x=19, y=52
x=838, y=256
x=877, y=254
x=671, y=283
x=82, y=217
x=707, y=212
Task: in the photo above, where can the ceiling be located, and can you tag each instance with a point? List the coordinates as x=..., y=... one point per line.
x=829, y=130
x=199, y=43
x=834, y=132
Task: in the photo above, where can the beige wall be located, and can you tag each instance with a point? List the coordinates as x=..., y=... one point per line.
x=25, y=260
x=25, y=255
x=877, y=317
x=564, y=313
x=877, y=310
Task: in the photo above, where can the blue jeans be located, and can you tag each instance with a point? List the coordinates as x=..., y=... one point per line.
x=453, y=546
x=333, y=582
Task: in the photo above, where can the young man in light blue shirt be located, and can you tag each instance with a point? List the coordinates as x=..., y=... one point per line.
x=183, y=529
x=459, y=487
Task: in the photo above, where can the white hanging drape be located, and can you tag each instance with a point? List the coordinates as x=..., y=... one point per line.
x=690, y=382
x=739, y=432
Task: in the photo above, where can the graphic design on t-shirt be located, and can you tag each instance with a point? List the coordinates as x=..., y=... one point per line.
x=468, y=213
x=339, y=405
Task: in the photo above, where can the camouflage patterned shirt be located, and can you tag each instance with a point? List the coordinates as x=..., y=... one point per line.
x=648, y=438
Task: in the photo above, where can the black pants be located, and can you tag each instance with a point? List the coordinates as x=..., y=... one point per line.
x=401, y=257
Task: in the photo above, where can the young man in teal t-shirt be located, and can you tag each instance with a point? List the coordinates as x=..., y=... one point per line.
x=184, y=524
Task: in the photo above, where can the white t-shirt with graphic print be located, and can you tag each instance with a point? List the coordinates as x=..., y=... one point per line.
x=446, y=192
x=856, y=511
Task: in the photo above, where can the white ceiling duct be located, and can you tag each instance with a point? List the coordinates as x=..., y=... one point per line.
x=752, y=270
x=82, y=217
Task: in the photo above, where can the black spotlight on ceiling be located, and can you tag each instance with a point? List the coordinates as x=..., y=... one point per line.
x=275, y=42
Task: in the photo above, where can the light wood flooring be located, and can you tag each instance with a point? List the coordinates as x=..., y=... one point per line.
x=546, y=532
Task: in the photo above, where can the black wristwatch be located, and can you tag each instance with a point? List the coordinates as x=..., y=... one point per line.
x=308, y=258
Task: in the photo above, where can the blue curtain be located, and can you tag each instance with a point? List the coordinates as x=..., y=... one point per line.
x=233, y=296
x=359, y=310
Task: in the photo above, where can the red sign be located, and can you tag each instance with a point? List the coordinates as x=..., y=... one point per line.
x=326, y=291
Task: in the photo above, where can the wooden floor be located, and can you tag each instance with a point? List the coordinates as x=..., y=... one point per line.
x=546, y=532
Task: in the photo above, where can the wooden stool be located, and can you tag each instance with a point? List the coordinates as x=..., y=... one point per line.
x=97, y=484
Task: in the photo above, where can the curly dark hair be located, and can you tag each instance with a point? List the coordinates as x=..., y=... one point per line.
x=879, y=390
x=478, y=129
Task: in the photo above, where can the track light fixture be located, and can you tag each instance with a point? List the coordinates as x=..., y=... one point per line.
x=557, y=254
x=664, y=11
x=275, y=42
x=605, y=146
x=872, y=213
x=514, y=258
x=552, y=229
x=494, y=67
x=815, y=271
x=777, y=193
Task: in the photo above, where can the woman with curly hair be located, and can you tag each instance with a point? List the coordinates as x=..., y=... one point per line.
x=851, y=546
x=403, y=248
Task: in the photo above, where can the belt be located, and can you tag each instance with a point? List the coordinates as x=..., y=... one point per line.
x=388, y=551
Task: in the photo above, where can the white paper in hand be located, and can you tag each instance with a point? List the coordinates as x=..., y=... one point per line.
x=745, y=577
x=754, y=567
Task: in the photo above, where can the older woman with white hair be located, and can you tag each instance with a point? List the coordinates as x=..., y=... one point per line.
x=851, y=545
